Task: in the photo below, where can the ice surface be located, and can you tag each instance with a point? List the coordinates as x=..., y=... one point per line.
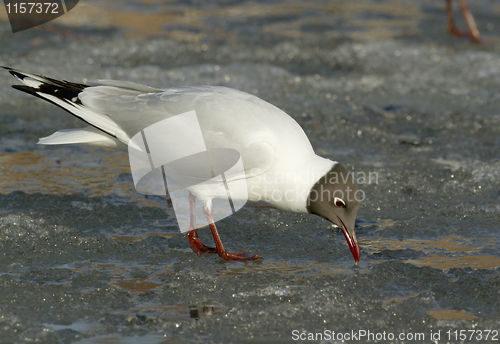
x=377, y=85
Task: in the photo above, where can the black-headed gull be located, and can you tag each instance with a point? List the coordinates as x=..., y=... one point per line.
x=278, y=162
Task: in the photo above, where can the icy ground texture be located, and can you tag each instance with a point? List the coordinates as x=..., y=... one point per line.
x=84, y=258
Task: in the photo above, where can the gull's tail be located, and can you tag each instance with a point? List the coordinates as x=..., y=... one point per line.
x=103, y=131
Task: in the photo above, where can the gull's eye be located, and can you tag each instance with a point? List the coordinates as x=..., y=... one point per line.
x=339, y=202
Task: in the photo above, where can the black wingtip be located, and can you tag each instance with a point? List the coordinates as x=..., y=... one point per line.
x=8, y=68
x=27, y=89
x=14, y=72
x=17, y=74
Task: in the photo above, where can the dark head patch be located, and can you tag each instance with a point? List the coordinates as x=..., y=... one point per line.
x=335, y=195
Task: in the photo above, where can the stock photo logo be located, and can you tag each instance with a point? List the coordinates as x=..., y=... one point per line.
x=171, y=156
x=26, y=14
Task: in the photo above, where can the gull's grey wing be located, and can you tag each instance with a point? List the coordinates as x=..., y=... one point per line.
x=227, y=118
x=111, y=107
x=118, y=110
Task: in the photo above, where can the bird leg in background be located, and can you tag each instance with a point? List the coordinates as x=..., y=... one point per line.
x=473, y=33
x=196, y=245
x=218, y=243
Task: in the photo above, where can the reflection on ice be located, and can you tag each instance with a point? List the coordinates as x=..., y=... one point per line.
x=451, y=243
x=445, y=263
x=178, y=311
x=285, y=267
x=450, y=314
x=461, y=252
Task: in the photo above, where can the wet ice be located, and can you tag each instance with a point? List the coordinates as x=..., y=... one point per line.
x=418, y=108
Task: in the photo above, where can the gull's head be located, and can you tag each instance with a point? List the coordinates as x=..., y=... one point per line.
x=335, y=197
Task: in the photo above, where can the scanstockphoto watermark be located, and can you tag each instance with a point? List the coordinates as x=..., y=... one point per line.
x=26, y=14
x=171, y=157
x=264, y=187
x=360, y=335
x=433, y=336
x=310, y=176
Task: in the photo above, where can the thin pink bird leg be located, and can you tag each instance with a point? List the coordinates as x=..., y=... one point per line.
x=196, y=245
x=218, y=243
x=473, y=33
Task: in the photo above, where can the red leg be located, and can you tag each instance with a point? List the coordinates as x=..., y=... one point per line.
x=452, y=29
x=218, y=243
x=471, y=23
x=196, y=245
x=473, y=33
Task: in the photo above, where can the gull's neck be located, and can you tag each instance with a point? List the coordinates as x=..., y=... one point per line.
x=288, y=186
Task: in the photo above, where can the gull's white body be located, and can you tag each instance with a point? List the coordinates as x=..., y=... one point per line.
x=279, y=161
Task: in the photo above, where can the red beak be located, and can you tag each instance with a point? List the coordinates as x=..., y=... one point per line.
x=352, y=241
